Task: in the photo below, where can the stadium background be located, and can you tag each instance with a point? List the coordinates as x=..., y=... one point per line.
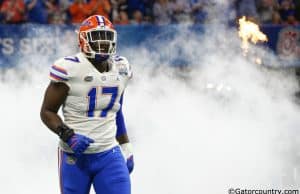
x=201, y=115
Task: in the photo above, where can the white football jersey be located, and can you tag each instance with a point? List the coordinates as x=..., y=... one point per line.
x=93, y=99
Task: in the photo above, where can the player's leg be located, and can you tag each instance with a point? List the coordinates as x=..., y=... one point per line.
x=73, y=177
x=113, y=178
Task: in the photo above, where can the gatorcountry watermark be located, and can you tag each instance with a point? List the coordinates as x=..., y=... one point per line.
x=262, y=191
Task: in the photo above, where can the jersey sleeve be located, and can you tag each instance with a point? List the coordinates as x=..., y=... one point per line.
x=59, y=72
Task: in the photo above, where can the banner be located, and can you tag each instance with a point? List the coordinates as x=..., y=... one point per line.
x=53, y=41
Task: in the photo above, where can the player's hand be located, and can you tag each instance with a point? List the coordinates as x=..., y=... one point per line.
x=128, y=155
x=130, y=164
x=79, y=143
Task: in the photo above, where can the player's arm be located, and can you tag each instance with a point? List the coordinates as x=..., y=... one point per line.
x=123, y=139
x=55, y=95
x=121, y=135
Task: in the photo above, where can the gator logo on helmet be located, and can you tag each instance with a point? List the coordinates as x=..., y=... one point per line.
x=86, y=23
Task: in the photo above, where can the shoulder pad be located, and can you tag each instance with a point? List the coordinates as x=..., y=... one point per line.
x=123, y=66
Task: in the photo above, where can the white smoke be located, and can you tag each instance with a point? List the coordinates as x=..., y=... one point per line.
x=222, y=122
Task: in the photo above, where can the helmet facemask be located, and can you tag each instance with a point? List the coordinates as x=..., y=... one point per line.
x=98, y=42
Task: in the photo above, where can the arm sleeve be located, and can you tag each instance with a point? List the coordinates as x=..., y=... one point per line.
x=121, y=128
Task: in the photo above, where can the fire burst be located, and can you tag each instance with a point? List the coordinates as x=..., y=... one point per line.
x=249, y=31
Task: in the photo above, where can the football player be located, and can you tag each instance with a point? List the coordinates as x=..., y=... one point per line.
x=94, y=147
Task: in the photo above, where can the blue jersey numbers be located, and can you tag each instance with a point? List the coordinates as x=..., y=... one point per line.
x=92, y=95
x=93, y=98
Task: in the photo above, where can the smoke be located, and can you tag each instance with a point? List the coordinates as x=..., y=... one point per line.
x=221, y=122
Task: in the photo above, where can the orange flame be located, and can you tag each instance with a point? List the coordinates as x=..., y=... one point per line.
x=250, y=31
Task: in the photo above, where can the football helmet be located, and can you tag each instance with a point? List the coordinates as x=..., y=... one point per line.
x=97, y=37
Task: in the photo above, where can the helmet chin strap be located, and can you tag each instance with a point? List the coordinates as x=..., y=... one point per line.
x=96, y=57
x=101, y=58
